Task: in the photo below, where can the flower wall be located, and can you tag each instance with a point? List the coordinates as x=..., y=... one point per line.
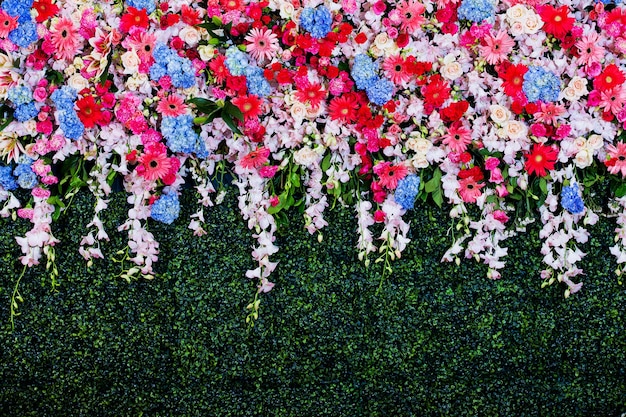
x=504, y=110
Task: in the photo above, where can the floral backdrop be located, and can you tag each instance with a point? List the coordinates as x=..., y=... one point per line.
x=501, y=109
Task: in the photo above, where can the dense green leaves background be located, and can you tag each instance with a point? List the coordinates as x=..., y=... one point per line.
x=439, y=339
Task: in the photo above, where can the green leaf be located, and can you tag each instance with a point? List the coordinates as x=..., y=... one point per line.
x=620, y=191
x=543, y=185
x=326, y=162
x=233, y=111
x=434, y=183
x=229, y=122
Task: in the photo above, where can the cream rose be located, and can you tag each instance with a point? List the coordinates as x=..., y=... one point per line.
x=517, y=28
x=423, y=145
x=189, y=35
x=452, y=71
x=78, y=82
x=579, y=85
x=130, y=61
x=305, y=156
x=595, y=142
x=419, y=161
x=516, y=13
x=298, y=111
x=499, y=114
x=515, y=129
x=580, y=143
x=286, y=10
x=532, y=23
x=570, y=94
x=207, y=52
x=583, y=158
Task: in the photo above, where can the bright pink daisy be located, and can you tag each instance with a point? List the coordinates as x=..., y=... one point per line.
x=613, y=99
x=171, y=106
x=313, y=93
x=549, y=112
x=411, y=15
x=589, y=48
x=154, y=163
x=457, y=138
x=65, y=39
x=7, y=23
x=255, y=159
x=396, y=69
x=390, y=174
x=616, y=159
x=469, y=189
x=496, y=48
x=263, y=44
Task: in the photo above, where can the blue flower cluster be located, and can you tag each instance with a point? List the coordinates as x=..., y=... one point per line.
x=25, y=108
x=69, y=122
x=317, y=22
x=571, y=199
x=142, y=4
x=541, y=84
x=26, y=178
x=166, y=209
x=365, y=74
x=181, y=137
x=476, y=10
x=238, y=64
x=407, y=190
x=26, y=33
x=7, y=180
x=168, y=62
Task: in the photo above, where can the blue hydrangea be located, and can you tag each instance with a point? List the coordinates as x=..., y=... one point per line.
x=168, y=62
x=571, y=199
x=180, y=136
x=256, y=82
x=17, y=7
x=7, y=180
x=318, y=22
x=69, y=122
x=27, y=181
x=541, y=85
x=476, y=10
x=407, y=190
x=236, y=61
x=166, y=209
x=142, y=4
x=25, y=34
x=380, y=91
x=25, y=112
x=20, y=95
x=364, y=71
x=22, y=169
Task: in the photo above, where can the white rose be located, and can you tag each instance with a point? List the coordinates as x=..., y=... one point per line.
x=419, y=161
x=423, y=145
x=298, y=111
x=313, y=113
x=580, y=143
x=130, y=61
x=452, y=71
x=382, y=40
x=532, y=23
x=78, y=82
x=515, y=129
x=583, y=159
x=499, y=114
x=5, y=61
x=207, y=52
x=305, y=156
x=595, y=142
x=516, y=12
x=411, y=144
x=376, y=51
x=190, y=35
x=286, y=10
x=517, y=28
x=579, y=85
x=570, y=94
x=30, y=126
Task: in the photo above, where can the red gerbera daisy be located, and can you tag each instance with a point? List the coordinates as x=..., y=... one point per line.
x=609, y=78
x=513, y=77
x=89, y=112
x=45, y=10
x=134, y=17
x=390, y=174
x=557, y=22
x=219, y=69
x=540, y=159
x=313, y=93
x=343, y=108
x=396, y=69
x=436, y=91
x=190, y=15
x=255, y=159
x=250, y=106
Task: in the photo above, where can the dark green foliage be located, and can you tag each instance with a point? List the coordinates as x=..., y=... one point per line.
x=438, y=340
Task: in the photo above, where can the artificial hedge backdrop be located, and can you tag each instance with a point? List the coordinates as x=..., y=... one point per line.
x=439, y=339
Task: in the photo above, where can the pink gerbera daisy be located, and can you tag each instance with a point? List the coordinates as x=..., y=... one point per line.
x=589, y=48
x=143, y=43
x=549, y=112
x=255, y=159
x=457, y=138
x=411, y=15
x=469, y=189
x=616, y=161
x=7, y=23
x=312, y=93
x=172, y=106
x=154, y=163
x=496, y=48
x=613, y=99
x=396, y=69
x=263, y=44
x=65, y=39
x=390, y=174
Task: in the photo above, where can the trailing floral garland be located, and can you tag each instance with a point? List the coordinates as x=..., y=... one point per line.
x=511, y=106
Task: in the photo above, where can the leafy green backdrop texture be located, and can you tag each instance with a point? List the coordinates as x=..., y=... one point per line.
x=437, y=340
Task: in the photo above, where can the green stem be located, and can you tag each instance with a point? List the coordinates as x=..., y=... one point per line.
x=15, y=294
